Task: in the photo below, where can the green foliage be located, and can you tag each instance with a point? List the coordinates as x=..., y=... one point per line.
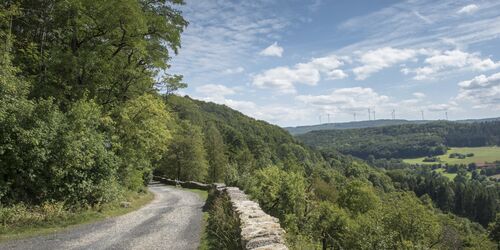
x=223, y=225
x=186, y=157
x=141, y=136
x=358, y=197
x=329, y=224
x=494, y=229
x=79, y=119
x=281, y=193
x=216, y=155
x=403, y=222
x=472, y=198
x=171, y=83
x=20, y=215
x=86, y=170
x=107, y=50
x=249, y=144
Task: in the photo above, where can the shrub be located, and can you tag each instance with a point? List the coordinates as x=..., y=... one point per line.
x=20, y=215
x=223, y=224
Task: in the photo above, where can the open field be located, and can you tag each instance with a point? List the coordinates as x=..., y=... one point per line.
x=481, y=155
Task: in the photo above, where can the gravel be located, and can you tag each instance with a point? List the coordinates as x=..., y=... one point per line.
x=171, y=221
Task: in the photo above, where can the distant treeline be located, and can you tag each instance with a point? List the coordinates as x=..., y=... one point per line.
x=405, y=141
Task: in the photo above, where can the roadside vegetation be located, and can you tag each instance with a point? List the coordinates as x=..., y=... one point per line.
x=81, y=122
x=19, y=221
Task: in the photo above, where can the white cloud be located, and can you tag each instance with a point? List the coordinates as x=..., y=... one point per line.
x=396, y=25
x=440, y=107
x=423, y=18
x=236, y=70
x=483, y=91
x=378, y=59
x=345, y=99
x=469, y=9
x=419, y=95
x=273, y=50
x=214, y=91
x=284, y=78
x=221, y=34
x=444, y=61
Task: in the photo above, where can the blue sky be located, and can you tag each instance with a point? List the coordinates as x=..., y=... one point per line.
x=291, y=62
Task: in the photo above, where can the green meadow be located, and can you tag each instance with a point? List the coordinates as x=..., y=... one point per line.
x=481, y=155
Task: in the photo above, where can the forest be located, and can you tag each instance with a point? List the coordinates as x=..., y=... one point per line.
x=405, y=141
x=88, y=114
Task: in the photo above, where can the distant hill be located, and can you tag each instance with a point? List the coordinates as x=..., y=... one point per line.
x=370, y=124
x=405, y=140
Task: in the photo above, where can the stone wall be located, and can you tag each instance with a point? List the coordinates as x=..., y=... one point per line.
x=184, y=184
x=259, y=231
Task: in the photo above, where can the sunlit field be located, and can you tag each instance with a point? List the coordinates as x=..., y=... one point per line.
x=481, y=155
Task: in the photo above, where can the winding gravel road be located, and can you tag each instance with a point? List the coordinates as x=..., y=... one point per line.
x=171, y=221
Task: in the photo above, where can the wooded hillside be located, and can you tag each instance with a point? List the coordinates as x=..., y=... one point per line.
x=405, y=141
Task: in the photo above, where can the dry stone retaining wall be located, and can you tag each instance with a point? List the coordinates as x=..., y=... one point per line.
x=259, y=231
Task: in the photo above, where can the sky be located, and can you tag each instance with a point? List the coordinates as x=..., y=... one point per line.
x=303, y=62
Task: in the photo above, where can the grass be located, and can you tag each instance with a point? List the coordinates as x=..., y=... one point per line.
x=204, y=242
x=450, y=176
x=84, y=217
x=481, y=155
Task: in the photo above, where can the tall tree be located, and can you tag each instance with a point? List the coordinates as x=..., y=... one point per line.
x=109, y=50
x=186, y=157
x=216, y=154
x=142, y=133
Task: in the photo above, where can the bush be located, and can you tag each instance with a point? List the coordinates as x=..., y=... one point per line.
x=431, y=159
x=20, y=215
x=223, y=224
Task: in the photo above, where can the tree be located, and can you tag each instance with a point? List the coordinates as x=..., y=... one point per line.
x=186, y=157
x=494, y=229
x=216, y=154
x=281, y=193
x=329, y=224
x=142, y=132
x=107, y=50
x=85, y=172
x=358, y=197
x=171, y=83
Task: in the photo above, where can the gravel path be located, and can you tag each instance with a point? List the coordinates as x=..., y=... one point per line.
x=171, y=221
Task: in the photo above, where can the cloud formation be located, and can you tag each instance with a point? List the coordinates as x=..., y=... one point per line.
x=483, y=91
x=378, y=59
x=284, y=79
x=273, y=50
x=468, y=9
x=444, y=61
x=345, y=100
x=220, y=33
x=236, y=70
x=215, y=90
